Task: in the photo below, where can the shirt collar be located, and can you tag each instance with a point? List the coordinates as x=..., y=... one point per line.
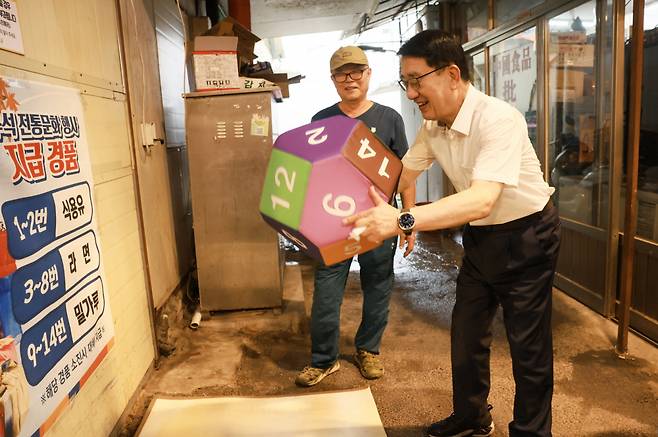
x=462, y=123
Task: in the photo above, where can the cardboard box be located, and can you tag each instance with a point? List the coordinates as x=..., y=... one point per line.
x=258, y=68
x=279, y=79
x=215, y=63
x=254, y=83
x=195, y=26
x=246, y=40
x=198, y=26
x=568, y=85
x=572, y=55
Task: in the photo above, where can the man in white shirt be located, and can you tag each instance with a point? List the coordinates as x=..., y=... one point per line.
x=511, y=234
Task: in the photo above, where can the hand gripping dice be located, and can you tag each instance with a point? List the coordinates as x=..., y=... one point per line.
x=319, y=174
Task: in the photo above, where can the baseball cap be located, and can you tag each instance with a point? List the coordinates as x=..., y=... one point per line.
x=347, y=55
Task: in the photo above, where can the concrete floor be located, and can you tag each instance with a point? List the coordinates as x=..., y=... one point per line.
x=260, y=352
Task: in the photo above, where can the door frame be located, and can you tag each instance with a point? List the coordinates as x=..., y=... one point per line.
x=539, y=19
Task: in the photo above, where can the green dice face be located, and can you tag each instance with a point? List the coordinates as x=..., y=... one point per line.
x=284, y=189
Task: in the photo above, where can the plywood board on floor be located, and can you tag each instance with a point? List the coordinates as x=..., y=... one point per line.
x=345, y=414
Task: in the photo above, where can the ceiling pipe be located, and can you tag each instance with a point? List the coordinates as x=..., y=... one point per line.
x=241, y=11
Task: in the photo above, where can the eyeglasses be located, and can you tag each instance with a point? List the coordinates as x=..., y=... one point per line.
x=414, y=82
x=342, y=77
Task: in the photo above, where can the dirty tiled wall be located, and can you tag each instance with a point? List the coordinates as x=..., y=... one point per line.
x=106, y=394
x=86, y=56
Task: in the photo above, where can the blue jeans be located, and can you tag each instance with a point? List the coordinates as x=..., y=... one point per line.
x=376, y=283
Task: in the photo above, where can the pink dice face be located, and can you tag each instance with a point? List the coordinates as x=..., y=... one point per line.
x=318, y=140
x=336, y=190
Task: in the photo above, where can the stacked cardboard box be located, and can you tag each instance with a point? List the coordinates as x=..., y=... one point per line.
x=223, y=51
x=195, y=26
x=215, y=64
x=219, y=52
x=246, y=40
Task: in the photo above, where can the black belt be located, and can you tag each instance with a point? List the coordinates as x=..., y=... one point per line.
x=515, y=224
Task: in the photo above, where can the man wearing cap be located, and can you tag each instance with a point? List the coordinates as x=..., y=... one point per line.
x=350, y=74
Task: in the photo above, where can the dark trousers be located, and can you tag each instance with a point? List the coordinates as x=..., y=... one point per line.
x=513, y=265
x=376, y=282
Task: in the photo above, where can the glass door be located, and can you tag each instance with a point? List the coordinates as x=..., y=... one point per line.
x=479, y=71
x=578, y=148
x=514, y=75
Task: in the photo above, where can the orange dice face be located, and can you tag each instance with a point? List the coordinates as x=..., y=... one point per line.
x=343, y=249
x=319, y=174
x=381, y=166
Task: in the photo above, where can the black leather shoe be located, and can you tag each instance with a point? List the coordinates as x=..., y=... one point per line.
x=453, y=426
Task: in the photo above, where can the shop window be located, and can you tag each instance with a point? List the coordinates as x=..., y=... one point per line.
x=478, y=73
x=514, y=76
x=508, y=10
x=473, y=18
x=578, y=163
x=647, y=177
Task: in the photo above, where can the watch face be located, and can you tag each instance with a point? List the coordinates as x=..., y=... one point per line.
x=406, y=221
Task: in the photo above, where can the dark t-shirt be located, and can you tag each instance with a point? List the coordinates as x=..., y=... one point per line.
x=383, y=121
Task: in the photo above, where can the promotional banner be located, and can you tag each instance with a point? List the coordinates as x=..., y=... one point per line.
x=55, y=321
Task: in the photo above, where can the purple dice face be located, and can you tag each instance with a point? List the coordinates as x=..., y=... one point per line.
x=318, y=140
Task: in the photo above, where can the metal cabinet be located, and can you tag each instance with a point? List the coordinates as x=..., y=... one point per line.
x=239, y=260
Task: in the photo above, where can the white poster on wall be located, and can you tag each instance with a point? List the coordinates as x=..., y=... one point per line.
x=10, y=28
x=55, y=321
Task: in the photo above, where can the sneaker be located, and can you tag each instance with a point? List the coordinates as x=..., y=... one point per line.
x=452, y=426
x=312, y=375
x=369, y=364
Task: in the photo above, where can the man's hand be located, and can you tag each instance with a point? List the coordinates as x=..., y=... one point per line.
x=380, y=222
x=410, y=240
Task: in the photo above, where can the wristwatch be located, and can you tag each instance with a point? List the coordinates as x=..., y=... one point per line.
x=406, y=221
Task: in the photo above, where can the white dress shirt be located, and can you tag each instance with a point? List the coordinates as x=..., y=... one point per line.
x=488, y=141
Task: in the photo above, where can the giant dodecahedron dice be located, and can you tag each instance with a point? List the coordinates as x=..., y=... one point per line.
x=319, y=174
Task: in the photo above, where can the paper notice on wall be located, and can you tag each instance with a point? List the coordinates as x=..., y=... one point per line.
x=215, y=71
x=515, y=74
x=260, y=126
x=10, y=29
x=55, y=321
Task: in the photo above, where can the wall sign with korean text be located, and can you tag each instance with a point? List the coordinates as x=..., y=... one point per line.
x=10, y=28
x=55, y=321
